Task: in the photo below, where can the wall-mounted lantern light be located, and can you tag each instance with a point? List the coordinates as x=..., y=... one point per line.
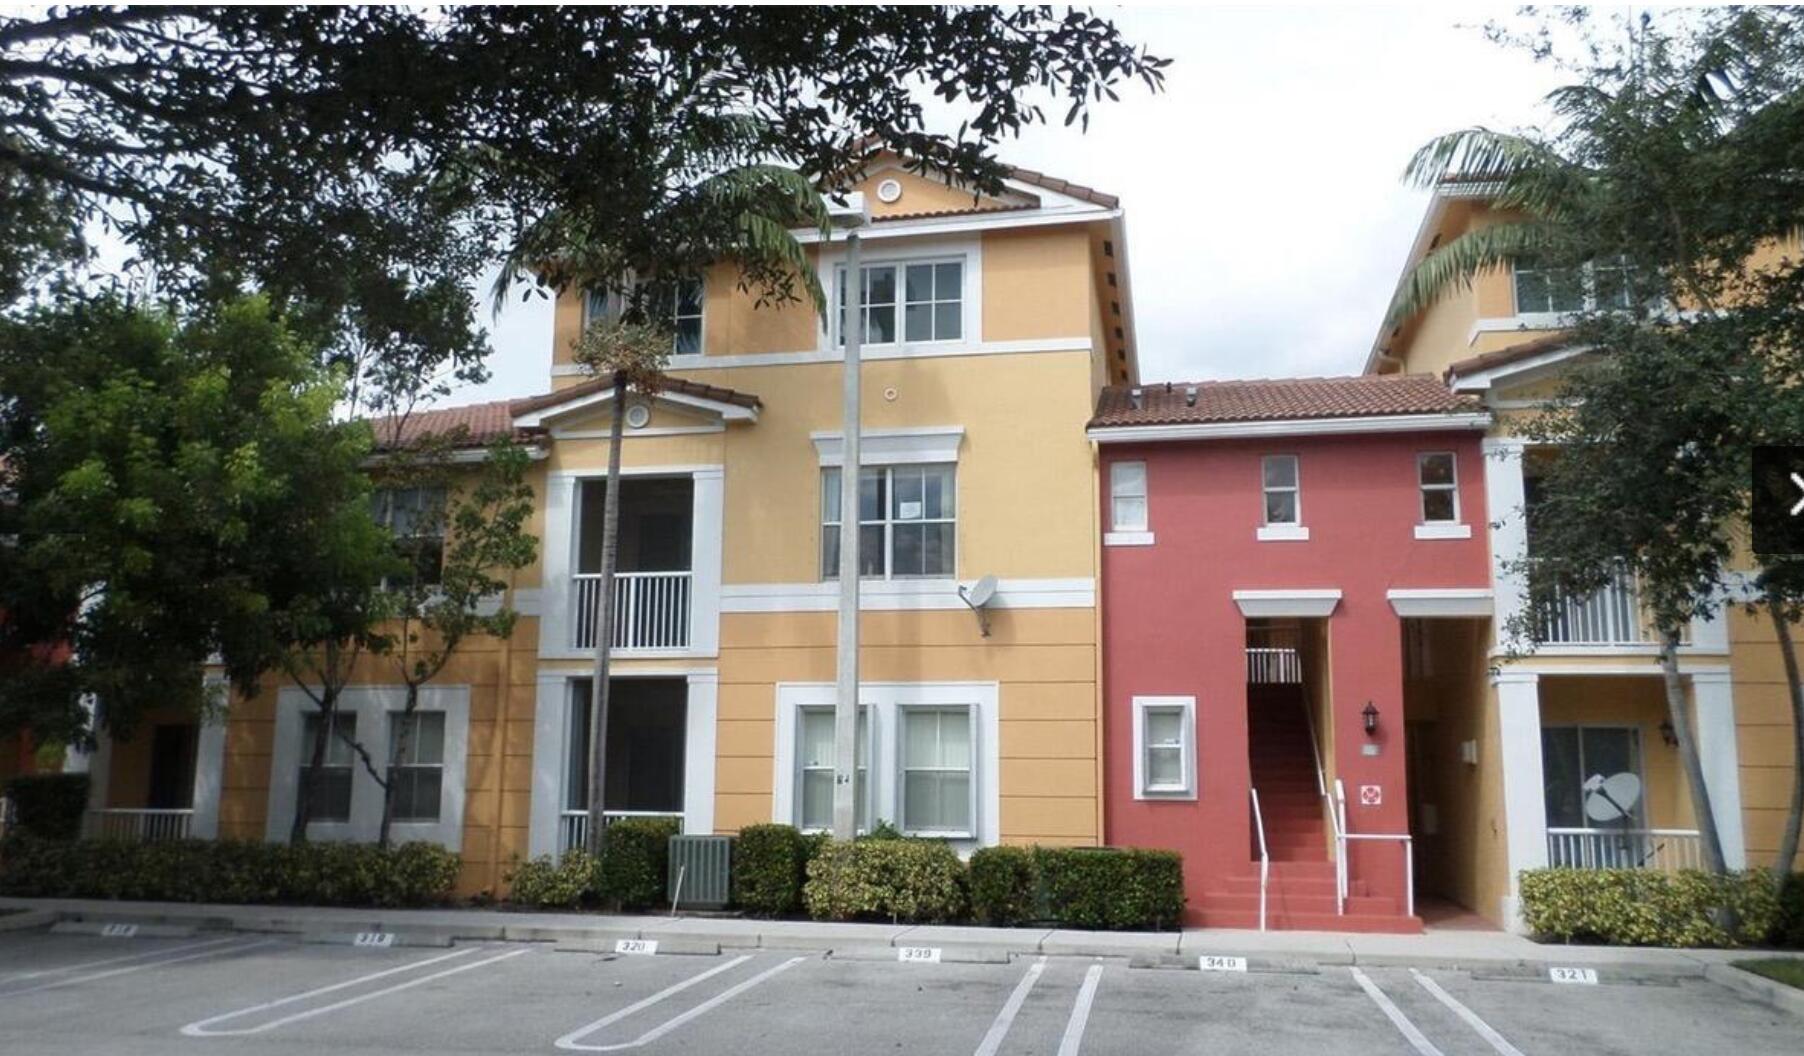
x=1371, y=718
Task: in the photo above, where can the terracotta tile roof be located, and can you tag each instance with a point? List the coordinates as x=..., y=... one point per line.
x=1512, y=354
x=935, y=214
x=1075, y=190
x=471, y=425
x=1278, y=399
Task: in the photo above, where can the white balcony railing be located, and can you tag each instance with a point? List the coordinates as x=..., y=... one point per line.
x=1611, y=616
x=651, y=610
x=573, y=825
x=1666, y=850
x=139, y=826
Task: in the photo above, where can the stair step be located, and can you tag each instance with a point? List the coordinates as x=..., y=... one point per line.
x=1287, y=902
x=1249, y=919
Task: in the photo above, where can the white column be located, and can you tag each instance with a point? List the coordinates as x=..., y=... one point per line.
x=698, y=753
x=1524, y=794
x=707, y=532
x=209, y=777
x=550, y=730
x=1713, y=707
x=1509, y=532
x=558, y=561
x=100, y=768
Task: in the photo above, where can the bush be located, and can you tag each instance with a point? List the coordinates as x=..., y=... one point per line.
x=635, y=859
x=1109, y=887
x=769, y=863
x=548, y=883
x=1640, y=907
x=49, y=806
x=1004, y=885
x=336, y=874
x=1788, y=930
x=920, y=881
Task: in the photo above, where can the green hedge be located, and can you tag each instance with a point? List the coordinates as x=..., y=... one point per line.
x=333, y=874
x=920, y=881
x=1641, y=907
x=548, y=883
x=1789, y=930
x=769, y=868
x=49, y=806
x=635, y=861
x=1111, y=887
x=1004, y=885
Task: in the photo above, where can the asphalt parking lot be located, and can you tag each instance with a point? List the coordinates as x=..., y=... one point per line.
x=240, y=993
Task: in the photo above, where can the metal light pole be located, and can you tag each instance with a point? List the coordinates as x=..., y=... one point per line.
x=845, y=707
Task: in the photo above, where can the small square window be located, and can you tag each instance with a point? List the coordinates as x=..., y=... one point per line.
x=1127, y=496
x=1165, y=747
x=1437, y=477
x=1283, y=495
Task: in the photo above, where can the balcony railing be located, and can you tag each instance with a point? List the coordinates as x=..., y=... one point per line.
x=138, y=826
x=651, y=610
x=1665, y=850
x=1611, y=616
x=573, y=825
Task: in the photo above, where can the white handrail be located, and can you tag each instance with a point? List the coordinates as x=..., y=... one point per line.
x=1409, y=850
x=1265, y=860
x=1336, y=824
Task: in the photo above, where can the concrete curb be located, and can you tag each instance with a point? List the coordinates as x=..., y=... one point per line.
x=27, y=920
x=1758, y=987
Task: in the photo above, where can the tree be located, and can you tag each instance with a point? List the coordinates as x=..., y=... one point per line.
x=1673, y=159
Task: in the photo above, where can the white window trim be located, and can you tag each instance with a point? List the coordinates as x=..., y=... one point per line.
x=1127, y=539
x=901, y=768
x=889, y=522
x=886, y=701
x=372, y=705
x=1423, y=488
x=968, y=251
x=1287, y=531
x=1281, y=533
x=1443, y=530
x=617, y=302
x=891, y=447
x=1141, y=706
x=1144, y=527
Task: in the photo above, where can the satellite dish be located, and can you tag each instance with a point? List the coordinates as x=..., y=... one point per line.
x=978, y=596
x=1611, y=798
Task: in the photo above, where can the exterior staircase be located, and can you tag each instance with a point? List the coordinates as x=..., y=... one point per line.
x=1300, y=895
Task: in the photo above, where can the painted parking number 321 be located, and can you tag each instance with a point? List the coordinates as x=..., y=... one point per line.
x=1580, y=976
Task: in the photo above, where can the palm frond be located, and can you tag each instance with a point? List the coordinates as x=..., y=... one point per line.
x=1475, y=154
x=1456, y=264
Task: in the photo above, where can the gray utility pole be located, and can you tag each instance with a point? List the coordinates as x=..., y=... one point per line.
x=845, y=707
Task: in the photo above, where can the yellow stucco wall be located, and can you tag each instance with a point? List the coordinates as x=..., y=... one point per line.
x=1763, y=727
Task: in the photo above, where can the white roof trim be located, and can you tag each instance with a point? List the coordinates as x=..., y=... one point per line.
x=1440, y=602
x=983, y=221
x=1388, y=423
x=1307, y=604
x=1522, y=370
x=889, y=447
x=731, y=412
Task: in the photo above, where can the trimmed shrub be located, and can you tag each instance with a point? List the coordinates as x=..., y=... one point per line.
x=920, y=881
x=1110, y=887
x=1641, y=907
x=335, y=874
x=635, y=858
x=549, y=883
x=769, y=863
x=1788, y=930
x=49, y=806
x=1003, y=883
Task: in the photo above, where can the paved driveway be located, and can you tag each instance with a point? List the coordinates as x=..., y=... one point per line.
x=73, y=995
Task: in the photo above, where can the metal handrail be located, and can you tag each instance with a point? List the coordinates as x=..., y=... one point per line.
x=1265, y=860
x=1409, y=850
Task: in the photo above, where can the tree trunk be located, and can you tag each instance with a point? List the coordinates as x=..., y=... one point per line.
x=303, y=800
x=396, y=750
x=1678, y=710
x=604, y=623
x=1794, y=818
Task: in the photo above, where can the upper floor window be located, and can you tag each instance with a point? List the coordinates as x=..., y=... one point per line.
x=1283, y=496
x=416, y=518
x=913, y=302
x=1605, y=284
x=1127, y=496
x=676, y=304
x=907, y=521
x=1438, y=479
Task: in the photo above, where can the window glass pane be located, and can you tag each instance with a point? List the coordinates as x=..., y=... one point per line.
x=1164, y=767
x=948, y=322
x=332, y=797
x=829, y=496
x=1280, y=471
x=949, y=282
x=1280, y=507
x=880, y=285
x=595, y=306
x=870, y=550
x=1531, y=290
x=688, y=336
x=1127, y=478
x=919, y=282
x=1437, y=505
x=937, y=546
x=576, y=762
x=1566, y=290
x=1164, y=727
x=689, y=297
x=937, y=802
x=421, y=738
x=1560, y=772
x=907, y=504
x=829, y=551
x=817, y=800
x=417, y=793
x=918, y=322
x=881, y=325
x=871, y=487
x=939, y=491
x=910, y=544
x=1437, y=469
x=1129, y=514
x=817, y=737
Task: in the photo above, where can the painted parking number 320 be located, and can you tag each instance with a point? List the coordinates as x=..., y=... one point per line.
x=639, y=947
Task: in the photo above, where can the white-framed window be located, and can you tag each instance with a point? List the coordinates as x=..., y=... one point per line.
x=939, y=796
x=916, y=302
x=815, y=762
x=418, y=770
x=1164, y=747
x=907, y=521
x=332, y=795
x=1437, y=477
x=1603, y=285
x=416, y=519
x=1573, y=755
x=1283, y=495
x=1127, y=496
x=677, y=304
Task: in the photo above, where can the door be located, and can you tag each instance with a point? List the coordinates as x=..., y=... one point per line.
x=172, y=751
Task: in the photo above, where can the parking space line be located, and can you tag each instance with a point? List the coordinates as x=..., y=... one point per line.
x=139, y=956
x=216, y=950
x=1006, y=1018
x=1080, y=1012
x=573, y=1040
x=1485, y=1031
x=203, y=1028
x=1394, y=1014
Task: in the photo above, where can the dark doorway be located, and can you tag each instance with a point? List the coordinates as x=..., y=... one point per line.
x=172, y=752
x=656, y=521
x=647, y=725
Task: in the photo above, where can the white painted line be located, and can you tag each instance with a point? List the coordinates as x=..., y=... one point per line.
x=1394, y=1014
x=109, y=973
x=203, y=1028
x=1080, y=1013
x=139, y=956
x=1006, y=1018
x=573, y=1040
x=1485, y=1031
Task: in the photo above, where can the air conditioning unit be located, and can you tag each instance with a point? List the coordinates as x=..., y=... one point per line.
x=701, y=871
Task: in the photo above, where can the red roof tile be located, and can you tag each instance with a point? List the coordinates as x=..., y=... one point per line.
x=1277, y=399
x=481, y=424
x=1075, y=190
x=1512, y=354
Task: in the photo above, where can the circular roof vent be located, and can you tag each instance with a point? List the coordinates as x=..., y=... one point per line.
x=889, y=191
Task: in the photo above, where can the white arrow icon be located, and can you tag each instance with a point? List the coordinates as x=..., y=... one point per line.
x=1799, y=505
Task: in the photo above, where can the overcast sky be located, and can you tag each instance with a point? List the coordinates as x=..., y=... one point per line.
x=1266, y=222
